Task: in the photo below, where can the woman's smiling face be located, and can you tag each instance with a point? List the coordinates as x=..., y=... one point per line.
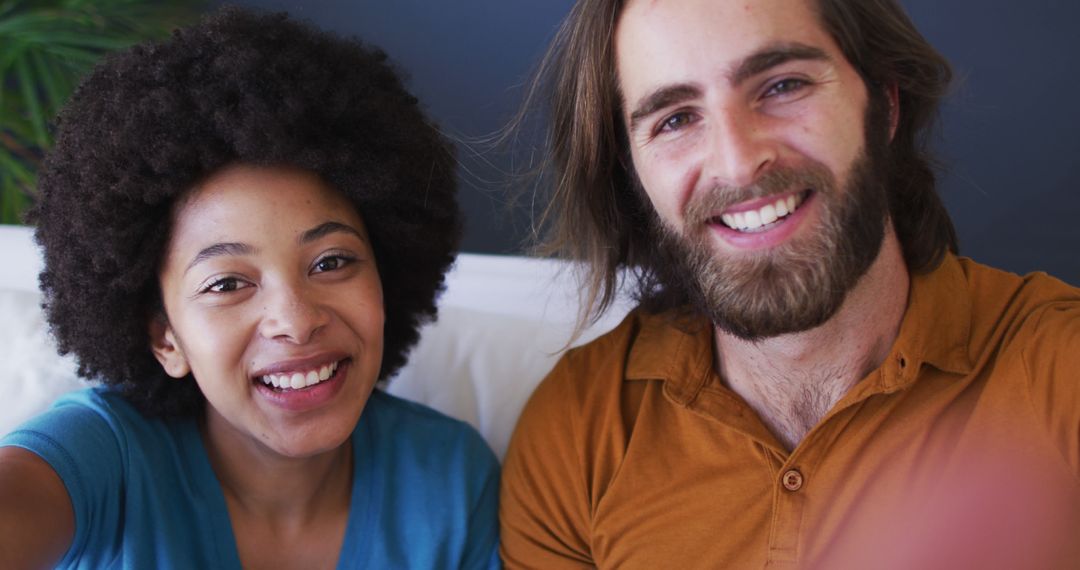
x=273, y=303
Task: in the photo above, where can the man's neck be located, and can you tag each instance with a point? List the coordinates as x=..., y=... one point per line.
x=793, y=380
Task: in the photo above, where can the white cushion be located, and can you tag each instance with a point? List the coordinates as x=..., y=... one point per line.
x=20, y=261
x=481, y=367
x=32, y=375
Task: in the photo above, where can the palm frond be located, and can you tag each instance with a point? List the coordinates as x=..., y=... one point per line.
x=47, y=46
x=28, y=89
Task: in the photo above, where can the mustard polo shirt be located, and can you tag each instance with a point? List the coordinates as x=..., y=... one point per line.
x=962, y=450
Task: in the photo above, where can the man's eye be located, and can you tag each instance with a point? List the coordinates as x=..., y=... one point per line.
x=785, y=86
x=330, y=263
x=676, y=122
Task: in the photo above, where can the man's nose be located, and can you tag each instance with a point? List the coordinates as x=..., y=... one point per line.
x=740, y=148
x=292, y=313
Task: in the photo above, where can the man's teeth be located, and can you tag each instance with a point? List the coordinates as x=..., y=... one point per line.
x=298, y=380
x=767, y=214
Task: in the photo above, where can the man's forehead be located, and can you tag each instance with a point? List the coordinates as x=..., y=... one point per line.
x=751, y=16
x=661, y=40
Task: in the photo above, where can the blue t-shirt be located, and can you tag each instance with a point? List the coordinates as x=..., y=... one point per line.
x=424, y=495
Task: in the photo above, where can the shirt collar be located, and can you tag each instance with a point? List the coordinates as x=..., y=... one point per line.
x=674, y=348
x=935, y=330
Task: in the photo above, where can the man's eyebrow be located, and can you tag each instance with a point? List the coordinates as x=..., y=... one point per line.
x=326, y=229
x=772, y=56
x=757, y=62
x=663, y=97
x=218, y=249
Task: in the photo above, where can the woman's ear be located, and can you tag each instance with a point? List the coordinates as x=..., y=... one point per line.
x=166, y=349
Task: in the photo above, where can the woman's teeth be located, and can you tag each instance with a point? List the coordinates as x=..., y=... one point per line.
x=298, y=380
x=767, y=214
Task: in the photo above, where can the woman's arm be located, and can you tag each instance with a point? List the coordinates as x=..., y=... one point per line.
x=37, y=522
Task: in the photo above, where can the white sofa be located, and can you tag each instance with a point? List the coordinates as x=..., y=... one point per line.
x=503, y=321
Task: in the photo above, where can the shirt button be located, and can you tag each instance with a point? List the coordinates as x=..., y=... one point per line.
x=793, y=480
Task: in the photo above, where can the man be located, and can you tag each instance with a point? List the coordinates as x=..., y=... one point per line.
x=814, y=379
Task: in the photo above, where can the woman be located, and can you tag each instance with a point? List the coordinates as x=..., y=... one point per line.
x=243, y=229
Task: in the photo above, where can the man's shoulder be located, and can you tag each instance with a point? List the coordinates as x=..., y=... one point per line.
x=583, y=412
x=1012, y=304
x=1009, y=289
x=612, y=345
x=596, y=373
x=1002, y=296
x=587, y=370
x=639, y=334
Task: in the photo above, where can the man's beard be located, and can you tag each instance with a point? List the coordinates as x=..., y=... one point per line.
x=799, y=284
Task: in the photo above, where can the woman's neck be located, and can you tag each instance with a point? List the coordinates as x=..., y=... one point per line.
x=286, y=512
x=287, y=491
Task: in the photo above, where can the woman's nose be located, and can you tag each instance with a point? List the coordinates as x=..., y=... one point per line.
x=292, y=313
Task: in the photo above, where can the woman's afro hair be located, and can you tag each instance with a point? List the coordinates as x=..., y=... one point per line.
x=151, y=122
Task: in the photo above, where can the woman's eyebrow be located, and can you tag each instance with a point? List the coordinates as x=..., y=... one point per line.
x=327, y=228
x=237, y=248
x=219, y=249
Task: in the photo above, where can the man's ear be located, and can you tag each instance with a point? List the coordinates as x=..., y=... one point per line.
x=892, y=93
x=167, y=351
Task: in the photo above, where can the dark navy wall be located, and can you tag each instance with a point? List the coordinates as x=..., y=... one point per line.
x=1010, y=129
x=467, y=61
x=1008, y=138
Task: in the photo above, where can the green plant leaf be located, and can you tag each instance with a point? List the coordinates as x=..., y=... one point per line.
x=14, y=168
x=45, y=47
x=15, y=123
x=15, y=181
x=48, y=78
x=30, y=99
x=82, y=57
x=74, y=39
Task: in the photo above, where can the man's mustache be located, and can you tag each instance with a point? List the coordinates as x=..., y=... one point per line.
x=709, y=203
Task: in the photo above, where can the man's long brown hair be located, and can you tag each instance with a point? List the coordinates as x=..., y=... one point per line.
x=596, y=215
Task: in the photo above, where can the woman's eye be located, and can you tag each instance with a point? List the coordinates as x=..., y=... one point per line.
x=224, y=285
x=331, y=262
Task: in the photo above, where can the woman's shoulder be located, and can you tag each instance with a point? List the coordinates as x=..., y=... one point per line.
x=417, y=467
x=107, y=453
x=96, y=430
x=406, y=433
x=103, y=401
x=412, y=423
x=85, y=416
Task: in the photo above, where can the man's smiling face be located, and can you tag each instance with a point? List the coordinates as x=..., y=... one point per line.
x=761, y=152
